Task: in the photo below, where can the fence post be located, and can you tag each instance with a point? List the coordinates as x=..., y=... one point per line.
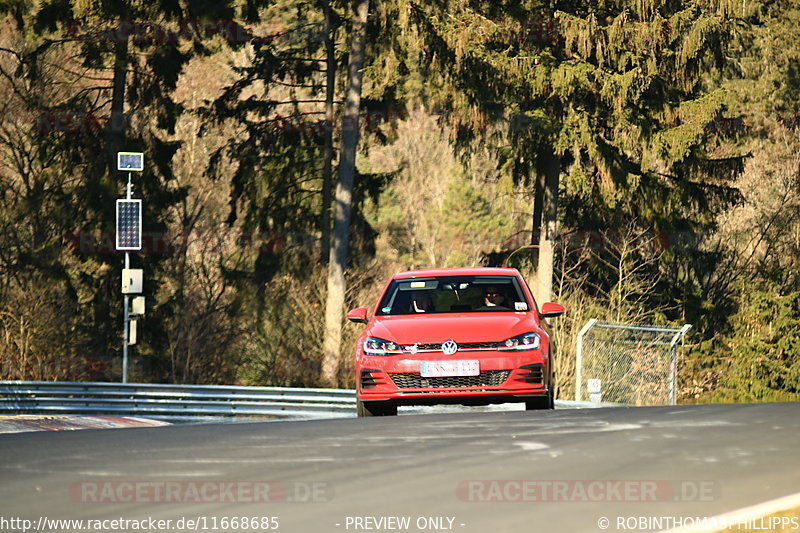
x=673, y=363
x=579, y=356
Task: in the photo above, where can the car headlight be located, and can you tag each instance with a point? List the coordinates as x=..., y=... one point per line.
x=376, y=346
x=526, y=341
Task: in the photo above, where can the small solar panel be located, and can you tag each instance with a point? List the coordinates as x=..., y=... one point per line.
x=129, y=224
x=130, y=161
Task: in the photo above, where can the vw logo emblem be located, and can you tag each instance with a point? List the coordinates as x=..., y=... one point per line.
x=449, y=347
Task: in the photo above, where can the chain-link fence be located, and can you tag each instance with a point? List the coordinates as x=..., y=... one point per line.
x=627, y=364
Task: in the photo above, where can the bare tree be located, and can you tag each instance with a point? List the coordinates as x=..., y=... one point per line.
x=629, y=259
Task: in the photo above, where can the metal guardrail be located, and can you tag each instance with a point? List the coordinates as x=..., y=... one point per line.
x=95, y=398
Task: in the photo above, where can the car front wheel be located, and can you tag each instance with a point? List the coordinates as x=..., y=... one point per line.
x=364, y=408
x=543, y=402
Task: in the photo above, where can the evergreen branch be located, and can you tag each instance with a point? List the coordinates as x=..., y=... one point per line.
x=297, y=85
x=303, y=59
x=290, y=102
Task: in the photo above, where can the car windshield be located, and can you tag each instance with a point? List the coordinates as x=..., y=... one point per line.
x=453, y=294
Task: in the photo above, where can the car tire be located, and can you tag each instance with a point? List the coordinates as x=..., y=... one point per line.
x=364, y=408
x=542, y=402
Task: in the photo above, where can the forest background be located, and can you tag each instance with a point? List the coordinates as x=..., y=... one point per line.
x=652, y=145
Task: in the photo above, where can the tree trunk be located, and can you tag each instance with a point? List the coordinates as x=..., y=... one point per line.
x=115, y=129
x=327, y=169
x=538, y=201
x=344, y=199
x=551, y=167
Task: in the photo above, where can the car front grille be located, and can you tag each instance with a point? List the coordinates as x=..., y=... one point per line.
x=462, y=346
x=487, y=378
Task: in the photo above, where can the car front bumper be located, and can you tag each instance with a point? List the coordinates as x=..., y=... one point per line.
x=504, y=377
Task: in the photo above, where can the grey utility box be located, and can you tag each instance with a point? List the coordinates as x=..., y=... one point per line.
x=132, y=280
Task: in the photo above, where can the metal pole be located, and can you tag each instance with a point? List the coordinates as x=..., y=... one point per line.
x=126, y=330
x=579, y=357
x=126, y=315
x=673, y=363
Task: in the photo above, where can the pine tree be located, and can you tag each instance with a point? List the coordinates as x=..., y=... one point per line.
x=334, y=304
x=284, y=103
x=612, y=97
x=110, y=68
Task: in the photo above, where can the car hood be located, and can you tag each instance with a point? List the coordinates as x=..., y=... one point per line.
x=472, y=327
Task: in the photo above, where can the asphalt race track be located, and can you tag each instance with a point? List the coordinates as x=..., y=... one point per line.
x=558, y=471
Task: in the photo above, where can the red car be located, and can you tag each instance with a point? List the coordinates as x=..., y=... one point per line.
x=473, y=336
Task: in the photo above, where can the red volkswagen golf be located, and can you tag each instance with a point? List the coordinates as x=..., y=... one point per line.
x=473, y=336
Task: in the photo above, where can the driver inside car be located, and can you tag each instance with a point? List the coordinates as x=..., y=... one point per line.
x=421, y=302
x=492, y=299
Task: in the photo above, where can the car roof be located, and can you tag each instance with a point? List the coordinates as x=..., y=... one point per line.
x=472, y=271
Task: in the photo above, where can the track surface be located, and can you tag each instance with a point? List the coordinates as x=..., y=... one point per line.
x=720, y=457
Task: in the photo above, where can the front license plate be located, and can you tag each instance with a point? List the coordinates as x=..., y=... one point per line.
x=440, y=369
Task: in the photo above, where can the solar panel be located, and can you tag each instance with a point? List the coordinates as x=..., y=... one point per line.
x=130, y=161
x=129, y=224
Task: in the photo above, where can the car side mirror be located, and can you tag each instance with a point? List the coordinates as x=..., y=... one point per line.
x=358, y=315
x=552, y=310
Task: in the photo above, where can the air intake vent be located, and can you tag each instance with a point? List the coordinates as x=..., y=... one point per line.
x=533, y=374
x=367, y=380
